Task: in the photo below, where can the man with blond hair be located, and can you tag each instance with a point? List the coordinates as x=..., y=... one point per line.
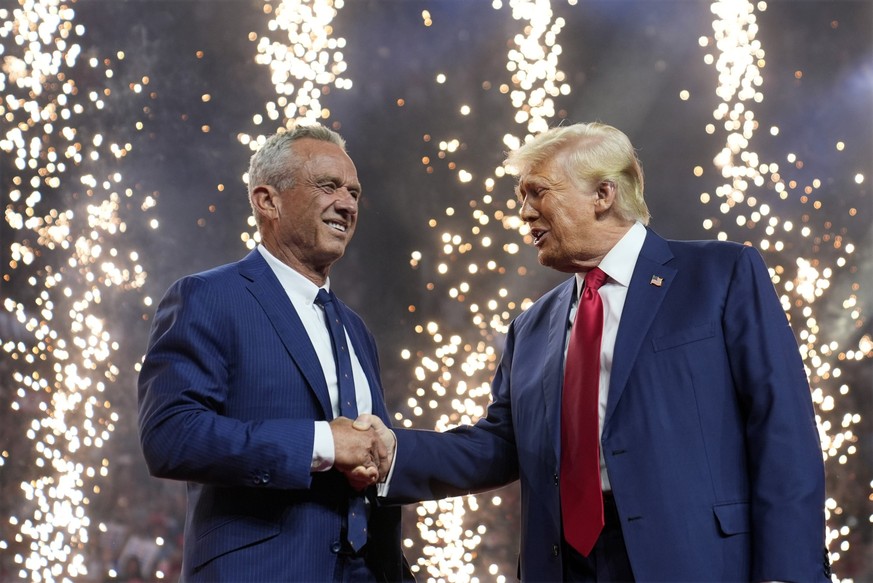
x=654, y=406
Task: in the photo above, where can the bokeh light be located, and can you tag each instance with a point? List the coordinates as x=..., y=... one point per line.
x=82, y=221
x=786, y=212
x=66, y=255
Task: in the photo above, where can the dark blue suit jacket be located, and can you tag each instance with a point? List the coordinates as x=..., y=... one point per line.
x=709, y=437
x=228, y=393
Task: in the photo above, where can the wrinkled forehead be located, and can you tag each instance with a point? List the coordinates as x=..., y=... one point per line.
x=532, y=181
x=319, y=157
x=541, y=174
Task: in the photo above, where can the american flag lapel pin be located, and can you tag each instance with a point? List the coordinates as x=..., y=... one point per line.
x=657, y=280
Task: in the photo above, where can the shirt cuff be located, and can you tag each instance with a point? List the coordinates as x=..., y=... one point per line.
x=323, y=452
x=382, y=487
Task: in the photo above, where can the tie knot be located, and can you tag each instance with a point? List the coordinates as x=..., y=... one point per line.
x=323, y=297
x=595, y=278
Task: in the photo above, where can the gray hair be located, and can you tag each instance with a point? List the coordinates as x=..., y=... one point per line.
x=596, y=152
x=274, y=164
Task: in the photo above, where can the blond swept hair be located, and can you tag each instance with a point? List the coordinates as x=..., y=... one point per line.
x=595, y=152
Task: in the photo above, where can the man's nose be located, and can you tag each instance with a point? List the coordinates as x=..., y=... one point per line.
x=526, y=211
x=346, y=201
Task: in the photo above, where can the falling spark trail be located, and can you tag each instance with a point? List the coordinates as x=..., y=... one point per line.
x=306, y=61
x=474, y=261
x=63, y=256
x=781, y=217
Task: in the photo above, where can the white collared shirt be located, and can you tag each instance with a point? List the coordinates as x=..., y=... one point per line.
x=619, y=265
x=302, y=294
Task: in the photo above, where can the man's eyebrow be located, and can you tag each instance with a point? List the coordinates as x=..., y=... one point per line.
x=531, y=182
x=321, y=176
x=334, y=178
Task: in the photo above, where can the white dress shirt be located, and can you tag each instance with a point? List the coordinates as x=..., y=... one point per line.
x=302, y=294
x=619, y=265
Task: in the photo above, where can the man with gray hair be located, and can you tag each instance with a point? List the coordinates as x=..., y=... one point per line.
x=253, y=375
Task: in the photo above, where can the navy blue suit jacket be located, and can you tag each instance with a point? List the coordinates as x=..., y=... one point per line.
x=228, y=393
x=709, y=437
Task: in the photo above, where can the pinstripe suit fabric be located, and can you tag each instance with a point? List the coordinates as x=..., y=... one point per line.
x=228, y=393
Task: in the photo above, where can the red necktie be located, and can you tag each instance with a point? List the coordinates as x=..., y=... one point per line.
x=581, y=496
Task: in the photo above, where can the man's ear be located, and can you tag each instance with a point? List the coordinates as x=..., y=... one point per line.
x=265, y=201
x=606, y=193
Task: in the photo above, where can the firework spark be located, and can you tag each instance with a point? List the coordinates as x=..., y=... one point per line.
x=306, y=61
x=477, y=248
x=784, y=218
x=63, y=209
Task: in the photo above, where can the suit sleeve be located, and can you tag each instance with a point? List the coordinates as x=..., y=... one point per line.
x=466, y=459
x=784, y=452
x=183, y=389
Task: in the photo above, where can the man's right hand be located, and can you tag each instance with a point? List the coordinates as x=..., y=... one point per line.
x=367, y=422
x=359, y=452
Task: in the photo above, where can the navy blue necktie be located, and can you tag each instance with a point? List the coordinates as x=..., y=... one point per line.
x=357, y=519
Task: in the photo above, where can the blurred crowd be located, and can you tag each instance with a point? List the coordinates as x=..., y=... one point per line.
x=140, y=533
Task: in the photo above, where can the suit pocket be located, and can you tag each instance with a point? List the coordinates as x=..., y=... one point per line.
x=685, y=336
x=733, y=518
x=230, y=536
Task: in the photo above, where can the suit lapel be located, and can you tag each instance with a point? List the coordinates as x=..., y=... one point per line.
x=553, y=373
x=267, y=290
x=640, y=308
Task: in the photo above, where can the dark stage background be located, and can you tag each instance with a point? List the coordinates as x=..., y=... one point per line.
x=125, y=136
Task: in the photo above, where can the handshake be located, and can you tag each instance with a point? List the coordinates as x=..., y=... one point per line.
x=363, y=449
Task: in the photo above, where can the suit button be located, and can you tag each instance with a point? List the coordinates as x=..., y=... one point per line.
x=557, y=482
x=556, y=550
x=335, y=547
x=265, y=477
x=256, y=480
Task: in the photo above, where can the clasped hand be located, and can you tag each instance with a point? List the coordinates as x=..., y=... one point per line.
x=363, y=449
